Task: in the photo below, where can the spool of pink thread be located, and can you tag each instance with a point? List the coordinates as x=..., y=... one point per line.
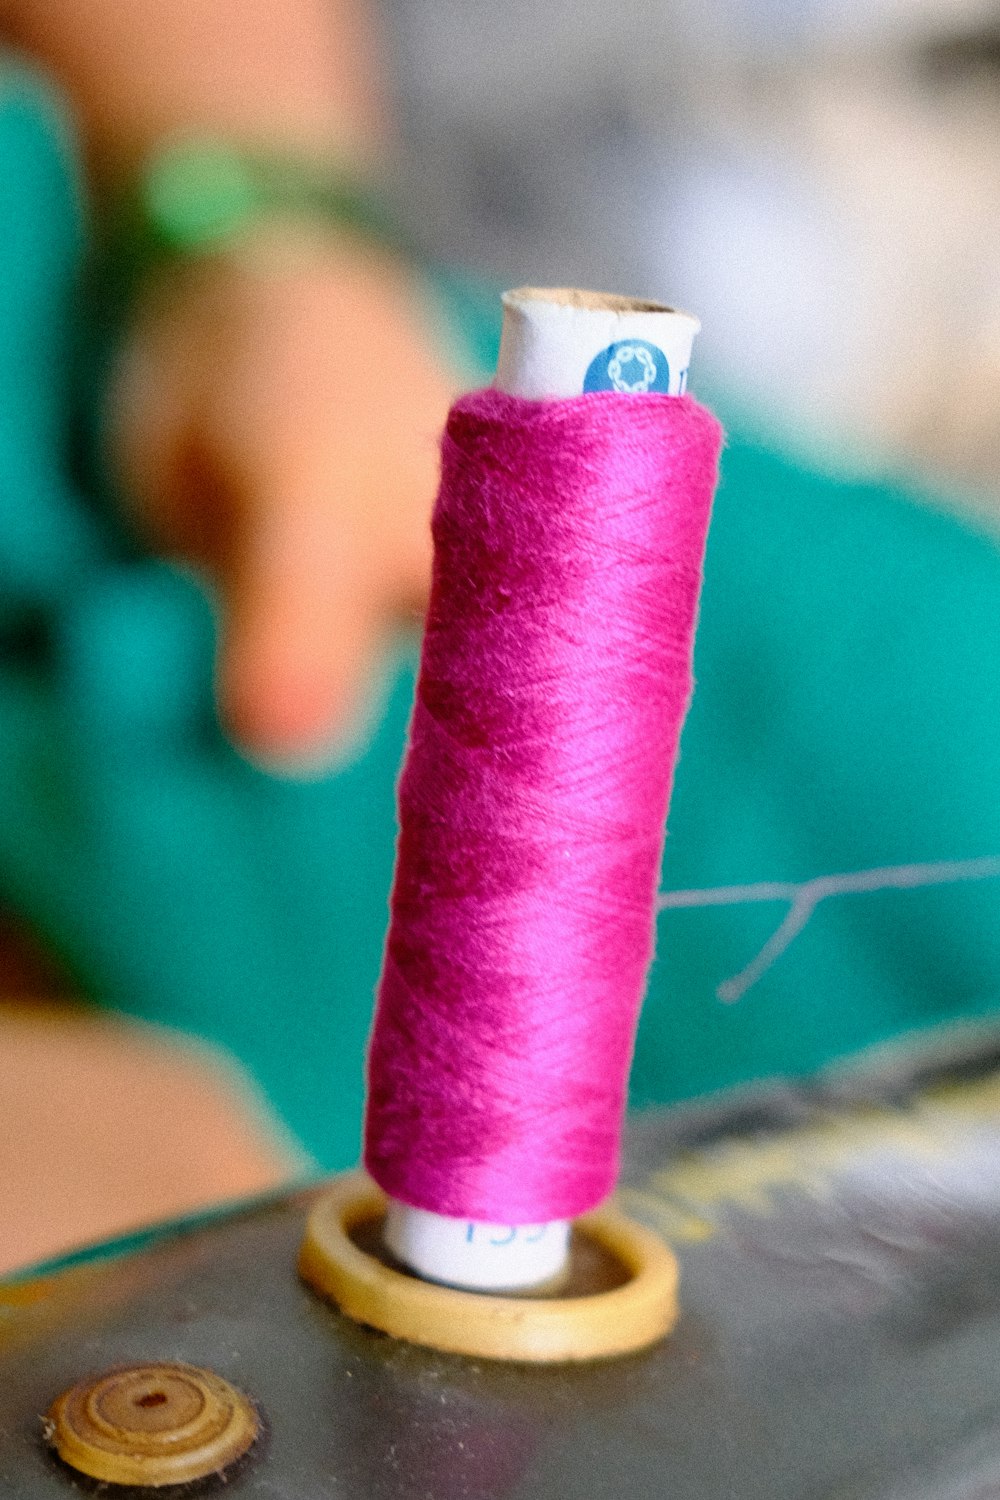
x=556, y=671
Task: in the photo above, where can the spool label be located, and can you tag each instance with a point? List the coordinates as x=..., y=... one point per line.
x=632, y=367
x=472, y=1253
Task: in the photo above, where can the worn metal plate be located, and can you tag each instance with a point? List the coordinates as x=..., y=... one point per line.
x=840, y=1246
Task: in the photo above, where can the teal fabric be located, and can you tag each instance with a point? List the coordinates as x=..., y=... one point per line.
x=846, y=717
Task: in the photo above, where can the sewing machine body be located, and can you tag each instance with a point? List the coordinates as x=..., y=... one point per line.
x=840, y=1251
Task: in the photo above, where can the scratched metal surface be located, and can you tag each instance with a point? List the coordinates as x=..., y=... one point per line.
x=840, y=1246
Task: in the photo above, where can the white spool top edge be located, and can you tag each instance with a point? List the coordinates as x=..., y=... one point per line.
x=562, y=342
x=555, y=343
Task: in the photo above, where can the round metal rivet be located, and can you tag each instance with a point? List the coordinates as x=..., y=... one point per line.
x=151, y=1425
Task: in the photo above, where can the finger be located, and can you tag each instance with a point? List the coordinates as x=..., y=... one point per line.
x=172, y=479
x=302, y=628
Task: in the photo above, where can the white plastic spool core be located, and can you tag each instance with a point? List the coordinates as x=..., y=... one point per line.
x=555, y=343
x=564, y=342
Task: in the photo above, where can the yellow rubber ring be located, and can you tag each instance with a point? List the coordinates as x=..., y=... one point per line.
x=536, y=1329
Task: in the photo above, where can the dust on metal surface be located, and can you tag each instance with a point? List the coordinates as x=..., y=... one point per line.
x=840, y=1332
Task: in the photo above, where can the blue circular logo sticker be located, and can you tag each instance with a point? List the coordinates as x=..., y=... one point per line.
x=631, y=366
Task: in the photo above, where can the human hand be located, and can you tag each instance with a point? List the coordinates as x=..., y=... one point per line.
x=275, y=420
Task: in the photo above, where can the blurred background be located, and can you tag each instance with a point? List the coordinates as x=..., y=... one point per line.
x=817, y=178
x=819, y=181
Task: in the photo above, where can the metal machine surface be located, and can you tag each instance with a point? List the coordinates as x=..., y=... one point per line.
x=839, y=1337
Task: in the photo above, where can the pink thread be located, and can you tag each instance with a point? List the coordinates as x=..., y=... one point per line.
x=555, y=675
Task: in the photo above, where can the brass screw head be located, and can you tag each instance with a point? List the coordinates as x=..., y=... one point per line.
x=151, y=1425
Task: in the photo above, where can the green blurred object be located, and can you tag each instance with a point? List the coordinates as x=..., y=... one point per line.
x=198, y=194
x=198, y=197
x=845, y=719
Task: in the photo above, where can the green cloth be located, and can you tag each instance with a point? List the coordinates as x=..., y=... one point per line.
x=846, y=717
